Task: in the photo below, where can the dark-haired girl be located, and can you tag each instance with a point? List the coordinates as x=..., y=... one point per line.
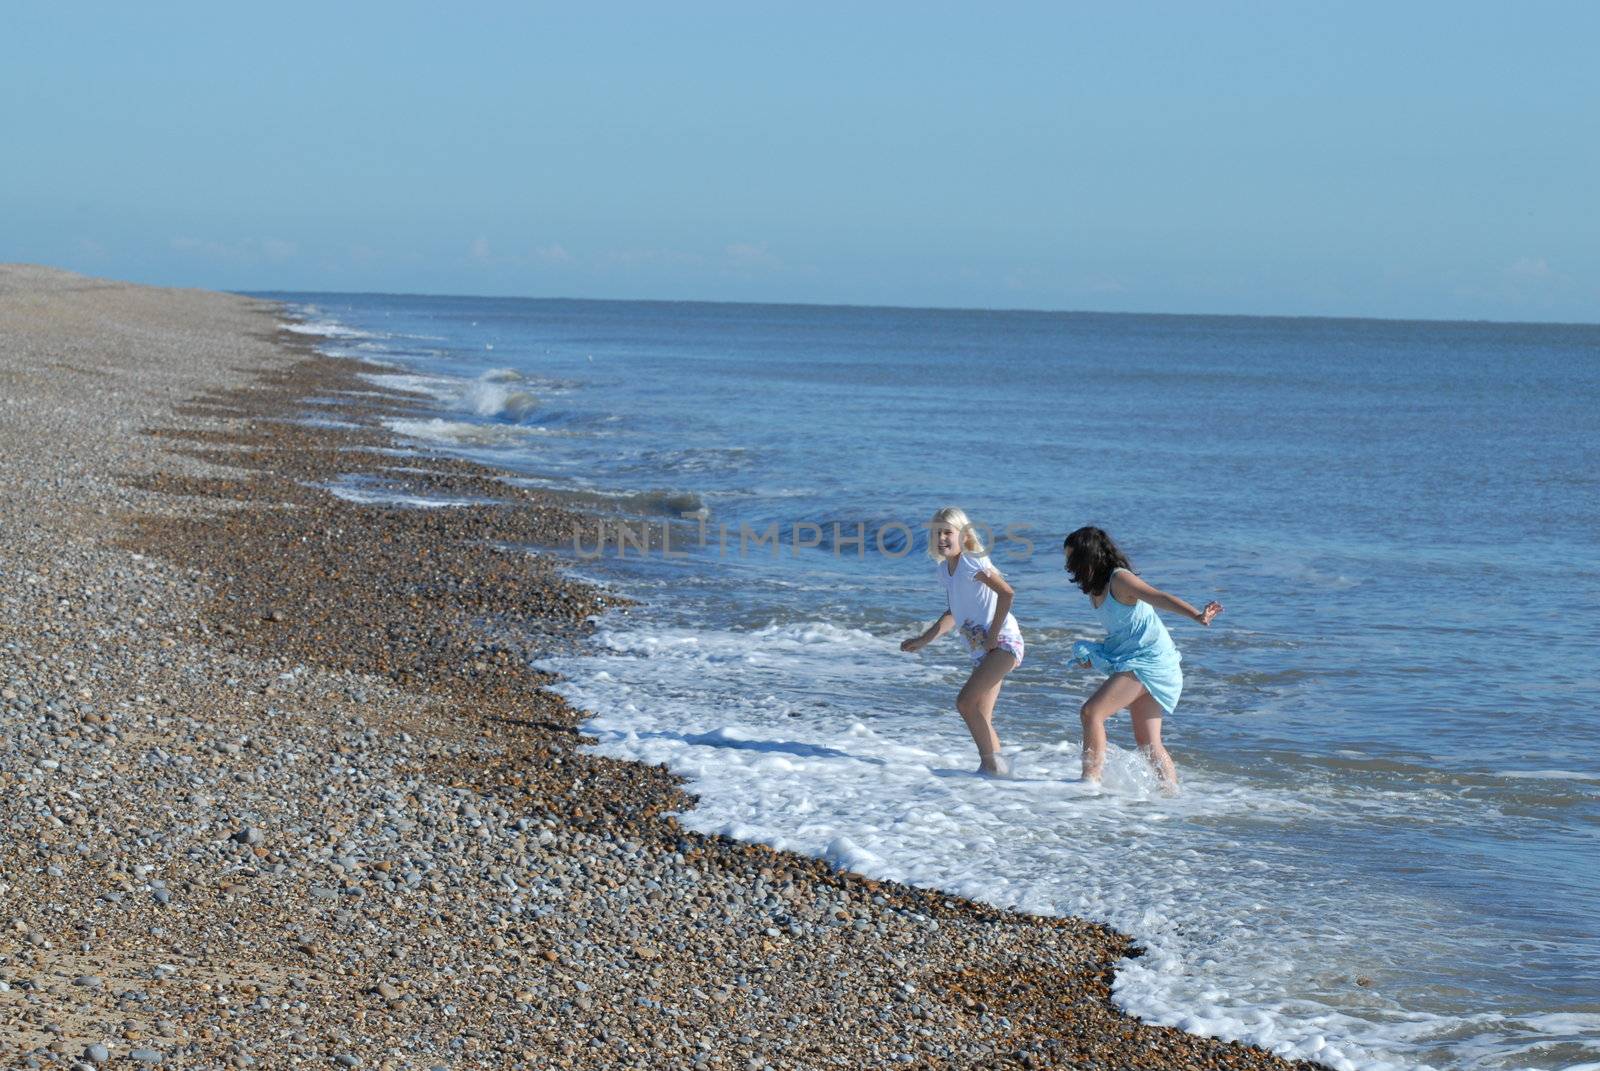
x=1146, y=677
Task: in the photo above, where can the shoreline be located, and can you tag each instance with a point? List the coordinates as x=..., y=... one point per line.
x=309, y=801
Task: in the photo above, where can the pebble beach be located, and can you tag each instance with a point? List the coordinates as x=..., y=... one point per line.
x=280, y=786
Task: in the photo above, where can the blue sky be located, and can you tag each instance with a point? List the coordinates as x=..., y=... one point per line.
x=1434, y=160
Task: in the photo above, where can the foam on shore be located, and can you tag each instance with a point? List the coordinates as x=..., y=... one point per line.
x=784, y=736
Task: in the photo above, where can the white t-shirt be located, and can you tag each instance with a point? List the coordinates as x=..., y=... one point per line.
x=972, y=602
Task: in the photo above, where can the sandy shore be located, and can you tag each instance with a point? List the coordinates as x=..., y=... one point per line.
x=279, y=788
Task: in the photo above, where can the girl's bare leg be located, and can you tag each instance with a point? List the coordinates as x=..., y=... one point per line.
x=1147, y=734
x=976, y=704
x=1120, y=690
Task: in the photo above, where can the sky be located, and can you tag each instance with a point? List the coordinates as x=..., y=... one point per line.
x=1415, y=160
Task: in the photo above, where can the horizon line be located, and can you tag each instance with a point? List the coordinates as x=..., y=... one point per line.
x=933, y=308
x=1008, y=310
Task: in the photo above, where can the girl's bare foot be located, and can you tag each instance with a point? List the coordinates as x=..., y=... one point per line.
x=994, y=765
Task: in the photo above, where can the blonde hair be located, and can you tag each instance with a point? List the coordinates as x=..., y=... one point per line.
x=956, y=518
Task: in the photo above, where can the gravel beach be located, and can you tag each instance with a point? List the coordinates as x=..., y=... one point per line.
x=279, y=787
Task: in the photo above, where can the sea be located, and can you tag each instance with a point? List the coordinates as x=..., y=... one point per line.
x=1386, y=849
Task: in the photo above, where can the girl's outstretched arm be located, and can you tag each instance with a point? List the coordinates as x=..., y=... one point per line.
x=1129, y=586
x=1002, y=603
x=916, y=643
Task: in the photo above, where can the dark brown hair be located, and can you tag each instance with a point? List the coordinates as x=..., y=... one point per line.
x=1092, y=556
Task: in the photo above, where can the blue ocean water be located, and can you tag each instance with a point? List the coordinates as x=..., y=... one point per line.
x=1384, y=853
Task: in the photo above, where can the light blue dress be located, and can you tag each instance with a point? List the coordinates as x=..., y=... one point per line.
x=1136, y=642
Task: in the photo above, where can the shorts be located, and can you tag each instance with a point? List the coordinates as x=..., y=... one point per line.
x=978, y=642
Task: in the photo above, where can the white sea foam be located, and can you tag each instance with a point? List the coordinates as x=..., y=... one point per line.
x=440, y=388
x=1550, y=775
x=328, y=329
x=1564, y=1023
x=495, y=395
x=378, y=496
x=674, y=504
x=495, y=399
x=793, y=735
x=326, y=422
x=462, y=432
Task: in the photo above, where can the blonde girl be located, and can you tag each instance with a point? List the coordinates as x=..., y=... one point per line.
x=978, y=602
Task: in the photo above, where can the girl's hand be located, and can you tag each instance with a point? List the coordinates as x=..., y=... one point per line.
x=1205, y=616
x=915, y=643
x=992, y=643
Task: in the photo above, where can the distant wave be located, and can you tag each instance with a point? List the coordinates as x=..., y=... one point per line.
x=497, y=401
x=328, y=329
x=465, y=432
x=496, y=395
x=371, y=497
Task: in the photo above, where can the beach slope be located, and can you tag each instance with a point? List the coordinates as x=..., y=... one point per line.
x=279, y=787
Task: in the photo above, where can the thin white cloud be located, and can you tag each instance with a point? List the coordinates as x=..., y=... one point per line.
x=245, y=250
x=481, y=251
x=642, y=258
x=196, y=245
x=1529, y=286
x=750, y=256
x=1055, y=288
x=1530, y=268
